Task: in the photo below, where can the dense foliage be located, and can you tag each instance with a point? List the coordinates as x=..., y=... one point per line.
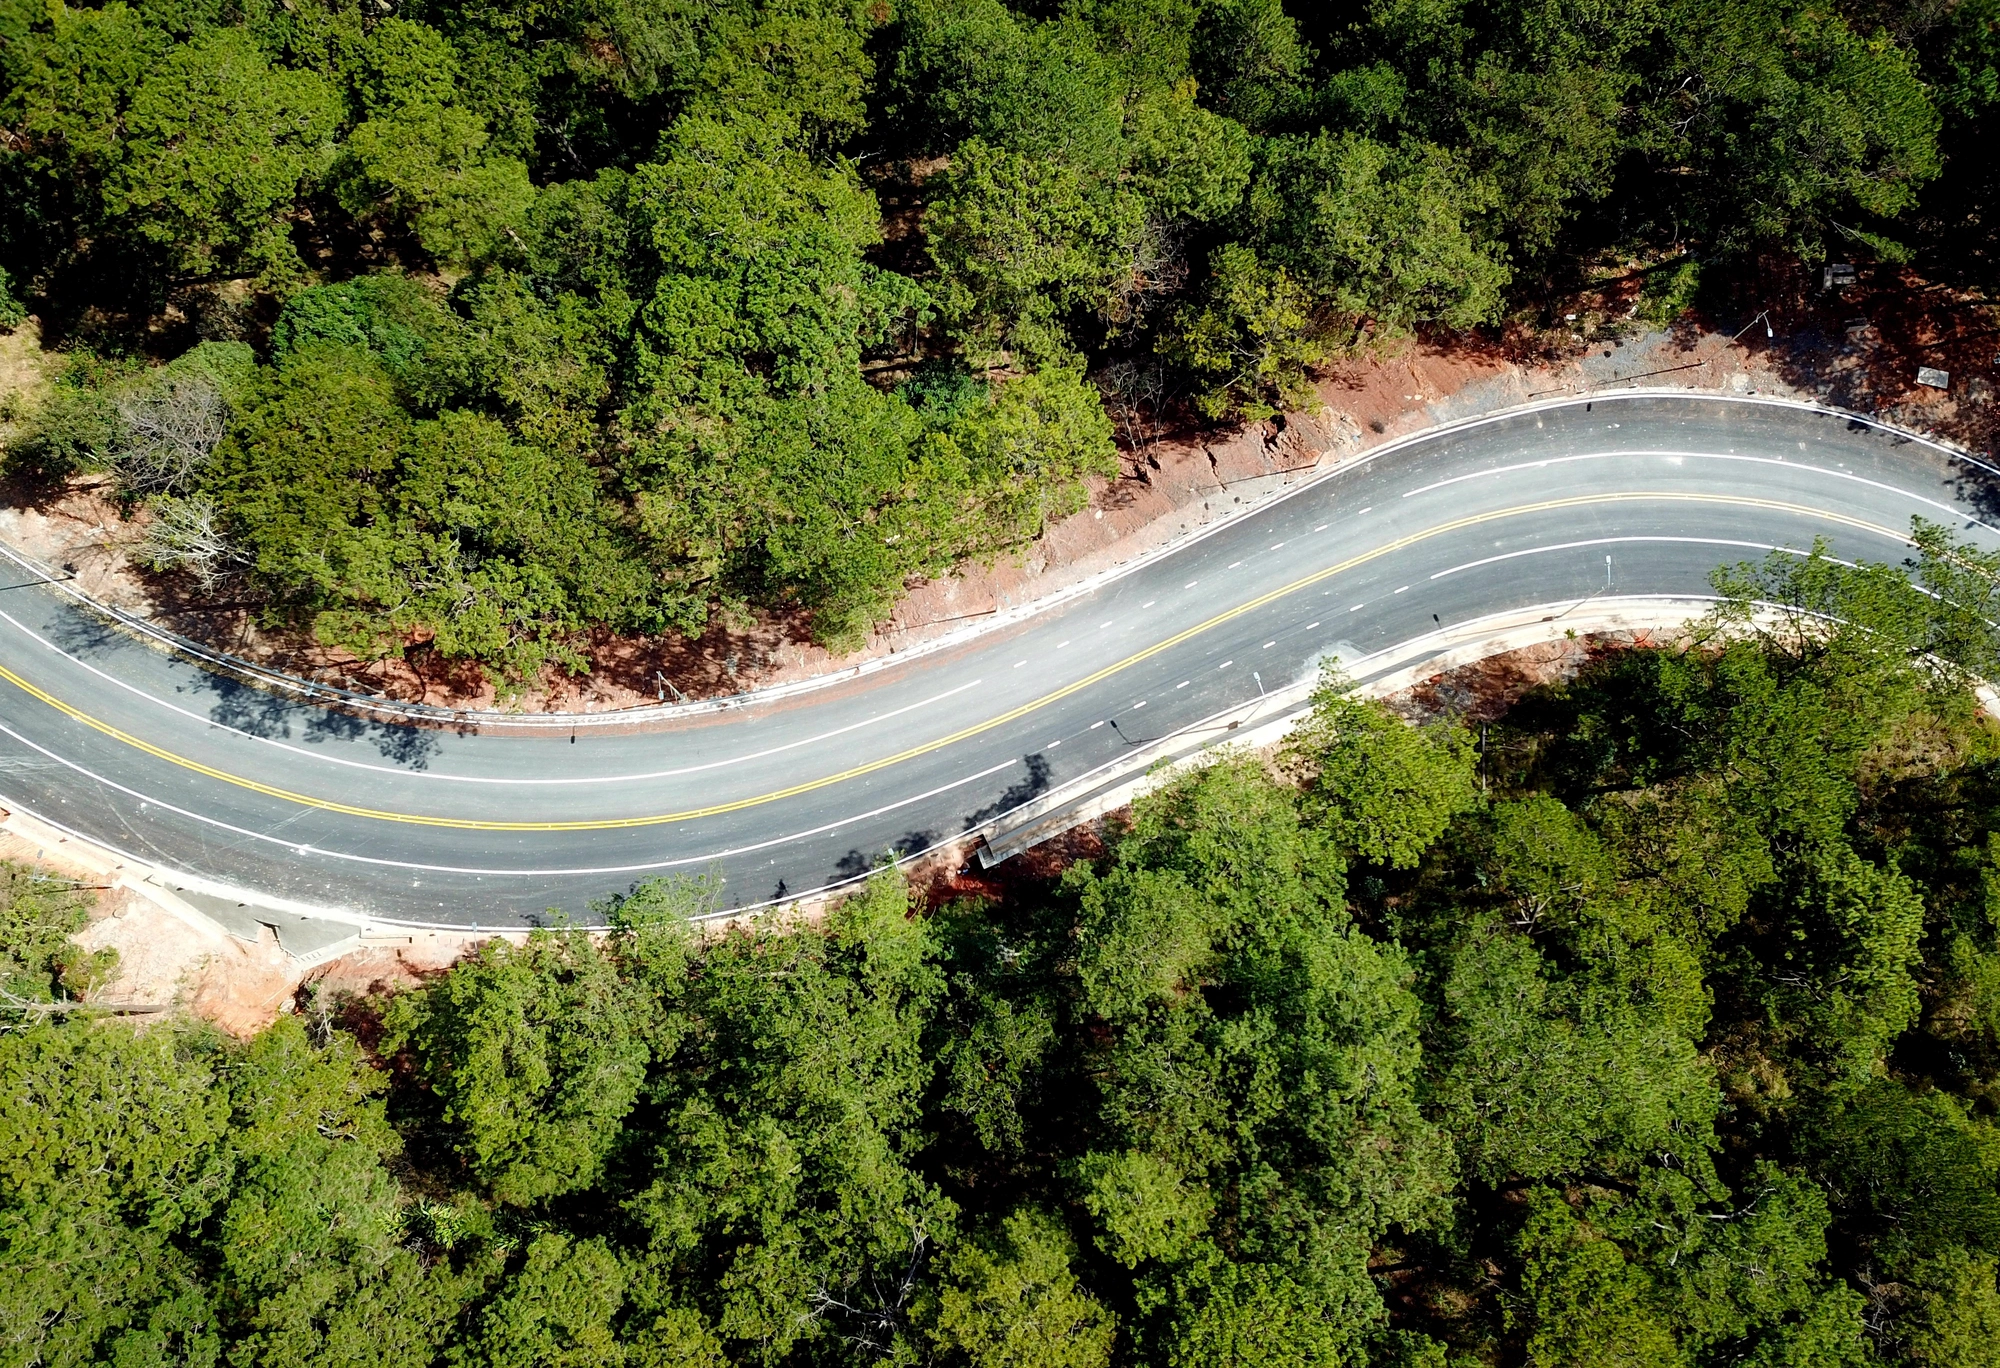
x=1662, y=1028
x=516, y=320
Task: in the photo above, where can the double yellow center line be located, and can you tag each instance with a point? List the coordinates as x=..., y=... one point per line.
x=964, y=733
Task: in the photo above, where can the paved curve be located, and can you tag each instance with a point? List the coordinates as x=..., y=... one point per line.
x=145, y=752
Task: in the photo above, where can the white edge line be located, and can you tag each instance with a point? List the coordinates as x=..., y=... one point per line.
x=309, y=691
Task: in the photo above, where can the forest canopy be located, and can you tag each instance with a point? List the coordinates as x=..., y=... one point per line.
x=1656, y=1023
x=486, y=325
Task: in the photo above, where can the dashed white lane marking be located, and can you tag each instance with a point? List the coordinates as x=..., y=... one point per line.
x=1225, y=664
x=1232, y=565
x=1140, y=704
x=1369, y=509
x=1184, y=683
x=1061, y=644
x=1357, y=607
x=1095, y=725
x=1311, y=625
x=1322, y=527
x=1019, y=663
x=1190, y=584
x=1149, y=603
x=1404, y=587
x=1268, y=645
x=1276, y=545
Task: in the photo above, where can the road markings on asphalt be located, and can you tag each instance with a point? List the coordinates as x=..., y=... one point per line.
x=706, y=858
x=1679, y=457
x=495, y=780
x=925, y=748
x=1615, y=541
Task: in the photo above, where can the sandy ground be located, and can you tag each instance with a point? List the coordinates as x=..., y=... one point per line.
x=172, y=957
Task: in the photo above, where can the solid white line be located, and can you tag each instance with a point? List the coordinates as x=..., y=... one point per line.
x=332, y=759
x=1945, y=508
x=512, y=873
x=1318, y=483
x=1610, y=541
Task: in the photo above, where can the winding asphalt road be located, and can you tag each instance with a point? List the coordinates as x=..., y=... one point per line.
x=144, y=751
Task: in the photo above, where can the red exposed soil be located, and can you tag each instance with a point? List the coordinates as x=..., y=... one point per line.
x=1171, y=486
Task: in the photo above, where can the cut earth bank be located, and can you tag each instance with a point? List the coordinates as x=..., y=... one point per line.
x=1171, y=488
x=174, y=954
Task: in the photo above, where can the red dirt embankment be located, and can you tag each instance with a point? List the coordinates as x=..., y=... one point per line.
x=1168, y=488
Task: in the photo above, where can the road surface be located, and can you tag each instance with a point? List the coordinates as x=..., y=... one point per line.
x=143, y=751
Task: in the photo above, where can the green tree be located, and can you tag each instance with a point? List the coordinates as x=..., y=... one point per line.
x=1381, y=789
x=1956, y=1320
x=1013, y=1301
x=1386, y=235
x=1255, y=1043
x=536, y=1054
x=218, y=145
x=779, y=1188
x=38, y=915
x=555, y=1311
x=1022, y=243
x=427, y=164
x=1251, y=340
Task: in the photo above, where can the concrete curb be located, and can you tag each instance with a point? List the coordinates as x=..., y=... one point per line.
x=393, y=712
x=220, y=905
x=1378, y=675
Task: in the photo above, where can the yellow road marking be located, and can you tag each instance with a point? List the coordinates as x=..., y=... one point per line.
x=870, y=767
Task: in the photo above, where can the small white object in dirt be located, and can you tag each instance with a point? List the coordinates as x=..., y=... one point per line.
x=1569, y=318
x=1935, y=378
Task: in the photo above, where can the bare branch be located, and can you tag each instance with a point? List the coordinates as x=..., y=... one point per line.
x=171, y=431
